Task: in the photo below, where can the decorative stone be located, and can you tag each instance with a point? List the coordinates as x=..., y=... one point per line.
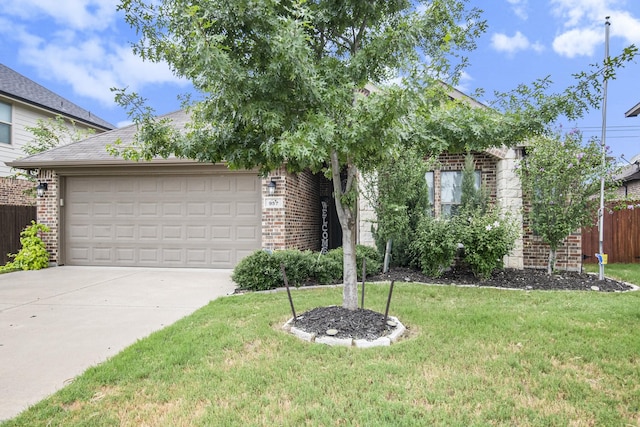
x=306, y=336
x=595, y=288
x=397, y=332
x=380, y=342
x=333, y=341
x=332, y=332
x=328, y=339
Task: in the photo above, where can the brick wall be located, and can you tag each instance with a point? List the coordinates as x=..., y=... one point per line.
x=12, y=192
x=303, y=217
x=49, y=212
x=630, y=190
x=274, y=214
x=295, y=222
x=536, y=253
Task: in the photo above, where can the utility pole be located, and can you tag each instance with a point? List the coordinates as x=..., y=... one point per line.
x=604, y=148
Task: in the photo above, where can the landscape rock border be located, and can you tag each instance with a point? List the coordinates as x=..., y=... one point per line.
x=384, y=341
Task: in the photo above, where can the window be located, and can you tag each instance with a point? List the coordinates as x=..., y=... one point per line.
x=430, y=188
x=5, y=123
x=451, y=191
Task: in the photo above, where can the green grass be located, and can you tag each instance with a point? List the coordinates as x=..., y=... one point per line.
x=629, y=273
x=471, y=356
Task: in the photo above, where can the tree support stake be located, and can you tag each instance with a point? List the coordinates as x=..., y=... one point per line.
x=286, y=285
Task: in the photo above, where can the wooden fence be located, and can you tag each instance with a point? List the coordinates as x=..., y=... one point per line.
x=621, y=240
x=13, y=219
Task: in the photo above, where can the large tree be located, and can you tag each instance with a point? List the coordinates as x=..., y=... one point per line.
x=282, y=82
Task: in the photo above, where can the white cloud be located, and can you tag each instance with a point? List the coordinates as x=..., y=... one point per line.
x=519, y=7
x=577, y=42
x=93, y=67
x=584, y=23
x=511, y=45
x=76, y=50
x=464, y=82
x=74, y=14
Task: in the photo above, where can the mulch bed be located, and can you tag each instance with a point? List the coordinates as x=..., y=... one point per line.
x=367, y=324
x=528, y=279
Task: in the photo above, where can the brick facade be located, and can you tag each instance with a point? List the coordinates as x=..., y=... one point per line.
x=15, y=192
x=536, y=253
x=49, y=212
x=629, y=190
x=296, y=222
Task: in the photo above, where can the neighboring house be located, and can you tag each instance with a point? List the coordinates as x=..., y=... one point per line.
x=634, y=111
x=104, y=210
x=22, y=103
x=629, y=179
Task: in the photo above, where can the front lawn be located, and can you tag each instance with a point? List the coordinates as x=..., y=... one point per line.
x=473, y=356
x=629, y=273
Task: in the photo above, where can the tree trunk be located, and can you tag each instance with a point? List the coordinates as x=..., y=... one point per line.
x=347, y=217
x=551, y=264
x=350, y=270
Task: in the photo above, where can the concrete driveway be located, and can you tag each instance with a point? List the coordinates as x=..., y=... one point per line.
x=57, y=322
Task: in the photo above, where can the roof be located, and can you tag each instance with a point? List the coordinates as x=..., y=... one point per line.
x=634, y=111
x=92, y=151
x=631, y=172
x=15, y=85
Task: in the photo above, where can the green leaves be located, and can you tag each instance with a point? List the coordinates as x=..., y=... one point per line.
x=32, y=255
x=561, y=177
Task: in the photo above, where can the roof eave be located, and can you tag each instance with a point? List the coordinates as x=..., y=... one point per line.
x=56, y=164
x=58, y=112
x=634, y=111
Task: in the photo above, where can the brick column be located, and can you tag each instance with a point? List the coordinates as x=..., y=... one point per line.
x=274, y=212
x=49, y=212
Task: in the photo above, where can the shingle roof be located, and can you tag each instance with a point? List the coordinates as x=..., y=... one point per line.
x=93, y=150
x=17, y=86
x=634, y=111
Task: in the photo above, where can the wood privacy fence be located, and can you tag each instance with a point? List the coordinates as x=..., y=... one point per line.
x=621, y=240
x=13, y=219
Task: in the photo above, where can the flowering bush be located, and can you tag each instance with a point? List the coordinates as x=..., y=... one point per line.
x=487, y=238
x=435, y=245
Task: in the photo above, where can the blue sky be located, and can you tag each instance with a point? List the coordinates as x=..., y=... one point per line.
x=80, y=49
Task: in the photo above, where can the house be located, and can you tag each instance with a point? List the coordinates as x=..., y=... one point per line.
x=104, y=210
x=22, y=103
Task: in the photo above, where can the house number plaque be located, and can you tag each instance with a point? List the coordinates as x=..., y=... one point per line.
x=273, y=202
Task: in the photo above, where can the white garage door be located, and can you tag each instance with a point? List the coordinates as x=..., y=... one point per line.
x=208, y=221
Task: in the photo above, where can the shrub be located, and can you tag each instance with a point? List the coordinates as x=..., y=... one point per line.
x=257, y=272
x=33, y=255
x=374, y=263
x=298, y=265
x=434, y=246
x=487, y=238
x=261, y=270
x=328, y=267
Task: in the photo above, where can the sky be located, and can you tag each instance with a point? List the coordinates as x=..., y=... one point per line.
x=80, y=49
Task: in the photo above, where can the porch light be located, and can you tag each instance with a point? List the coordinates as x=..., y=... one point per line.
x=272, y=187
x=41, y=188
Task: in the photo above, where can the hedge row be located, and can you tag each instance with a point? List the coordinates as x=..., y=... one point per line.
x=261, y=270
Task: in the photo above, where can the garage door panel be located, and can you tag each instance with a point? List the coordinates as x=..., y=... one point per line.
x=155, y=221
x=221, y=209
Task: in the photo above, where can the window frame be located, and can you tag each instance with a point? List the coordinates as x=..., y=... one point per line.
x=450, y=208
x=8, y=124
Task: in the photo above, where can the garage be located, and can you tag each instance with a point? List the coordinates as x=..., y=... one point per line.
x=204, y=220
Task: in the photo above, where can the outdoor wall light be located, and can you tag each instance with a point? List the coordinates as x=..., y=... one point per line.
x=41, y=188
x=272, y=187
